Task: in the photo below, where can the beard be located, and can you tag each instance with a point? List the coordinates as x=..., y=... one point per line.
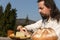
x=44, y=16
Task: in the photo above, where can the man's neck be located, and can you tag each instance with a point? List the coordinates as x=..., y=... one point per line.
x=46, y=18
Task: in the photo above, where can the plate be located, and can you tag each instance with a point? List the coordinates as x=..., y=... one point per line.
x=20, y=35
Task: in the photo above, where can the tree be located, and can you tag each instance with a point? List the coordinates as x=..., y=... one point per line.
x=9, y=19
x=12, y=19
x=1, y=11
x=1, y=19
x=6, y=17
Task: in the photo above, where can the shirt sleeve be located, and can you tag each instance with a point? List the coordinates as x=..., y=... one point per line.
x=58, y=33
x=34, y=26
x=57, y=30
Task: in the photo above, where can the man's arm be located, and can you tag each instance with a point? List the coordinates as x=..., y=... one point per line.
x=34, y=26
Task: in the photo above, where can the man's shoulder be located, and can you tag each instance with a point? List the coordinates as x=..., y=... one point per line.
x=39, y=21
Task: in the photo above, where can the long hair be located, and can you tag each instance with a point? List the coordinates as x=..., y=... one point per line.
x=55, y=13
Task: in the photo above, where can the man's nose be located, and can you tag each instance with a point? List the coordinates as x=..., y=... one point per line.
x=39, y=10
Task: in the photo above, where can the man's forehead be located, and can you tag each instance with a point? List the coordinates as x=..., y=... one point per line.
x=41, y=3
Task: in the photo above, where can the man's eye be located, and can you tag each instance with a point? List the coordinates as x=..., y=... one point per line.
x=40, y=8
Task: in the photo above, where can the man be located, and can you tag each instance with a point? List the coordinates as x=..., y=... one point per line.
x=50, y=17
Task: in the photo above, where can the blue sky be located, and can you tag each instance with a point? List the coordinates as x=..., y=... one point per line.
x=26, y=7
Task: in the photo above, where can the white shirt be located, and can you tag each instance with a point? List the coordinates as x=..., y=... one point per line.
x=49, y=24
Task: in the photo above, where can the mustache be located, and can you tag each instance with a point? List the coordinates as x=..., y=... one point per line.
x=42, y=14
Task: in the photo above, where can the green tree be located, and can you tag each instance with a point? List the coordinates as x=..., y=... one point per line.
x=1, y=19
x=12, y=19
x=6, y=17
x=9, y=19
x=1, y=11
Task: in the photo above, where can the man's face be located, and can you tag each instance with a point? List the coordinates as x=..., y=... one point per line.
x=43, y=10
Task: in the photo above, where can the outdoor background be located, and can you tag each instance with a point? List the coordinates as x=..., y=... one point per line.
x=18, y=12
x=26, y=7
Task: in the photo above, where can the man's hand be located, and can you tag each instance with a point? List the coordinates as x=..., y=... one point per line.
x=19, y=28
x=22, y=29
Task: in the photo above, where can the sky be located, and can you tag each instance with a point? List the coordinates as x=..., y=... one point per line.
x=26, y=7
